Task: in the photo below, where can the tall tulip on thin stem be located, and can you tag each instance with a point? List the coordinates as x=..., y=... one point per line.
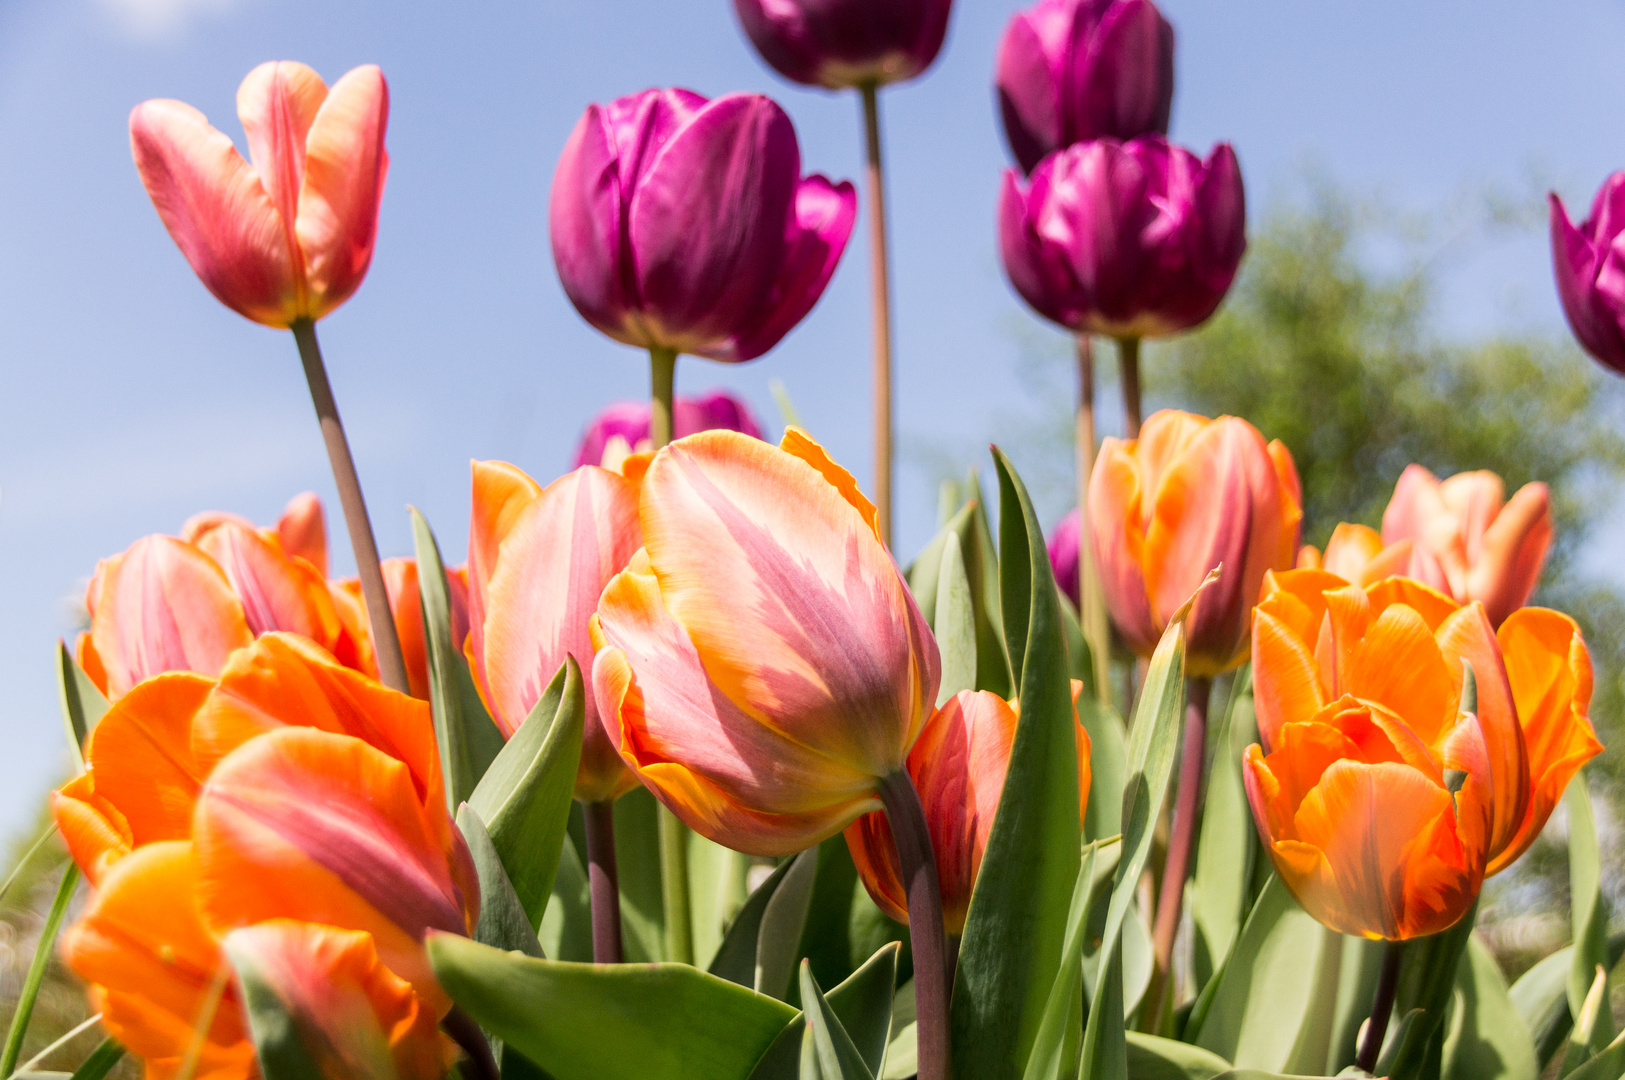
x=287, y=239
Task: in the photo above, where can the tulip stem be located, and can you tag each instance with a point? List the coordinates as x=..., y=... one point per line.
x=662, y=383
x=386, y=645
x=880, y=285
x=1181, y=845
x=605, y=883
x=1128, y=352
x=1382, y=1006
x=467, y=1034
x=906, y=816
x=1091, y=603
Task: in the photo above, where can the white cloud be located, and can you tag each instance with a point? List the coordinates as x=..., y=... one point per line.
x=150, y=20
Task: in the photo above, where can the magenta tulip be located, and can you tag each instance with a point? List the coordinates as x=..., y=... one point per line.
x=846, y=43
x=1590, y=265
x=1074, y=70
x=1063, y=554
x=685, y=224
x=629, y=420
x=1129, y=240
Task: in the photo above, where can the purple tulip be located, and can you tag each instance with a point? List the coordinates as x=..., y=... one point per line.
x=1128, y=240
x=684, y=224
x=1063, y=555
x=630, y=421
x=846, y=43
x=1074, y=70
x=1590, y=266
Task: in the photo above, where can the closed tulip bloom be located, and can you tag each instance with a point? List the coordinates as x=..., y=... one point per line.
x=628, y=422
x=761, y=661
x=685, y=224
x=1063, y=553
x=1187, y=497
x=538, y=560
x=1074, y=70
x=1589, y=262
x=1468, y=540
x=1126, y=239
x=838, y=44
x=287, y=235
x=958, y=764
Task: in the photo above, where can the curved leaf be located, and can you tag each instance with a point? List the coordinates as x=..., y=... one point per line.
x=827, y=1051
x=862, y=1003
x=504, y=923
x=1154, y=1058
x=1493, y=1043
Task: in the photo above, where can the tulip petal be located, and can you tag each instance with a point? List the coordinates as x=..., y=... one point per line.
x=1030, y=100
x=1117, y=492
x=1512, y=551
x=502, y=492
x=277, y=593
x=1467, y=635
x=1286, y=687
x=1399, y=665
x=302, y=530
x=1127, y=88
x=277, y=103
x=1038, y=271
x=586, y=216
x=217, y=211
x=345, y=166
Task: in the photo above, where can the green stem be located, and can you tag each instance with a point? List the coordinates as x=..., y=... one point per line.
x=662, y=380
x=880, y=288
x=1128, y=351
x=1382, y=1007
x=36, y=971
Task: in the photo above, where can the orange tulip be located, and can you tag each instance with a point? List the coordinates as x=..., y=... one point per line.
x=1356, y=554
x=958, y=765
x=761, y=661
x=538, y=559
x=1191, y=494
x=289, y=236
x=1468, y=540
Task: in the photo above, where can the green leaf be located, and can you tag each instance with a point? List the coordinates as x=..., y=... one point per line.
x=1108, y=765
x=1229, y=840
x=525, y=794
x=1356, y=986
x=827, y=940
x=955, y=624
x=1010, y=952
x=107, y=1054
x=504, y=922
x=717, y=892
x=862, y=1003
x=1579, y=1049
x=1080, y=659
x=566, y=930
x=1427, y=985
x=83, y=705
x=827, y=1051
x=278, y=1044
x=1492, y=1043
x=1154, y=1058
x=463, y=730
x=1275, y=999
x=903, y=1052
x=736, y=956
x=784, y=918
x=1541, y=997
x=1060, y=1034
x=637, y=860
x=23, y=1010
x=1588, y=907
x=981, y=561
x=610, y=1021
x=1609, y=1064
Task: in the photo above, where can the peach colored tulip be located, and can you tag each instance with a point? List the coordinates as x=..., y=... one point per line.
x=1356, y=554
x=761, y=660
x=1191, y=494
x=289, y=236
x=538, y=560
x=1468, y=540
x=958, y=764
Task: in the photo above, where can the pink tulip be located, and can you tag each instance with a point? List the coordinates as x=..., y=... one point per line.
x=839, y=44
x=1589, y=261
x=1128, y=240
x=289, y=236
x=685, y=224
x=629, y=422
x=1063, y=554
x=1074, y=70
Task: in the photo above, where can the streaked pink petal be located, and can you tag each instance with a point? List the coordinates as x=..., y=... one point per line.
x=345, y=166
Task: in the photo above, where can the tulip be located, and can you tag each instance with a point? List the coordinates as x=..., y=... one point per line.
x=1468, y=540
x=685, y=224
x=844, y=44
x=1191, y=495
x=958, y=764
x=628, y=422
x=1587, y=263
x=1070, y=71
x=766, y=670
x=1357, y=554
x=1063, y=553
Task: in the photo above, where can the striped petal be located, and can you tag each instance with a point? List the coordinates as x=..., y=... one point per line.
x=277, y=593
x=302, y=530
x=344, y=168
x=501, y=494
x=1117, y=495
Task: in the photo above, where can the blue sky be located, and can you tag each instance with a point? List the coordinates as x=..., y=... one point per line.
x=130, y=399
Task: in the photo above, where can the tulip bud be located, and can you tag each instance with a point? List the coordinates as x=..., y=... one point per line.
x=1587, y=263
x=290, y=236
x=1063, y=554
x=1070, y=71
x=1469, y=541
x=761, y=663
x=846, y=43
x=1189, y=496
x=629, y=420
x=685, y=224
x=1130, y=240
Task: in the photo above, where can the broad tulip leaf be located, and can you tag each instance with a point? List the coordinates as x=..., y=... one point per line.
x=970, y=525
x=1356, y=986
x=278, y=1044
x=1588, y=907
x=1491, y=1042
x=1060, y=1034
x=566, y=930
x=827, y=940
x=1229, y=840
x=504, y=923
x=610, y=1021
x=736, y=956
x=1609, y=1064
x=827, y=1051
x=1108, y=766
x=1579, y=1049
x=955, y=624
x=717, y=891
x=863, y=1004
x=1080, y=655
x=1154, y=1058
x=107, y=1054
x=525, y=795
x=83, y=704
x=637, y=860
x=1276, y=996
x=1010, y=952
x=903, y=1052
x=1541, y=997
x=464, y=732
x=784, y=919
